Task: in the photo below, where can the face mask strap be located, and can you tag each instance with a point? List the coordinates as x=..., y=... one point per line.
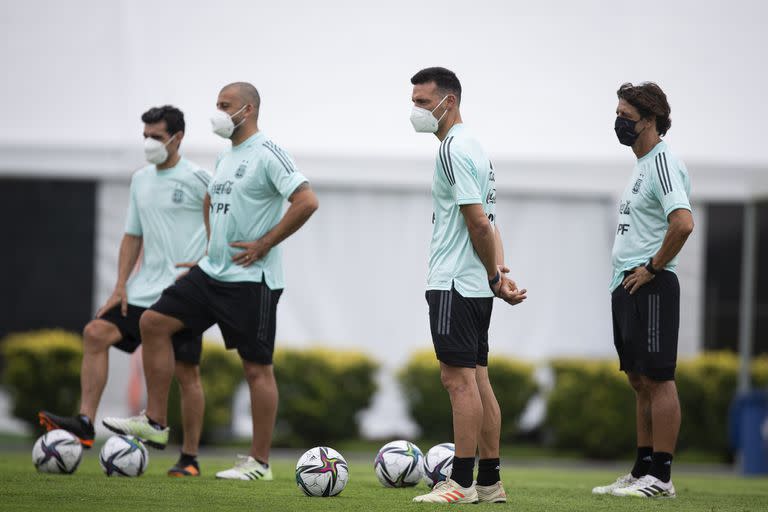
x=438, y=106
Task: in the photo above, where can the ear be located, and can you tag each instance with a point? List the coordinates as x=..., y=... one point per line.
x=179, y=136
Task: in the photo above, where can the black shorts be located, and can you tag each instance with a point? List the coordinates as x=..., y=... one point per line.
x=459, y=327
x=245, y=311
x=645, y=327
x=186, y=345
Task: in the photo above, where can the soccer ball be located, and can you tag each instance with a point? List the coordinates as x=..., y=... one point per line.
x=57, y=451
x=123, y=456
x=322, y=471
x=438, y=463
x=398, y=464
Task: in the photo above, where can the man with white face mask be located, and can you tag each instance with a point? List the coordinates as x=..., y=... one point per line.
x=239, y=282
x=166, y=218
x=466, y=271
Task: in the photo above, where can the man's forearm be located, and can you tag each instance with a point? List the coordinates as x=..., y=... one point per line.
x=484, y=241
x=130, y=247
x=300, y=210
x=680, y=227
x=499, y=246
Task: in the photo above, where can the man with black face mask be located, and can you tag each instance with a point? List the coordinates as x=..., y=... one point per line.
x=655, y=220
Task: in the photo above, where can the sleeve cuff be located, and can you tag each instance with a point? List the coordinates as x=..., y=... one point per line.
x=468, y=200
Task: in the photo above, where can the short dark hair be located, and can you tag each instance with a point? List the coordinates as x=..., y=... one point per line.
x=649, y=100
x=173, y=117
x=445, y=79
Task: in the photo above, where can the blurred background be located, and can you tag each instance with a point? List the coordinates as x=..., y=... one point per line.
x=539, y=83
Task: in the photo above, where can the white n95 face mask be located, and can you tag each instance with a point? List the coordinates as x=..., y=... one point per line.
x=155, y=151
x=424, y=121
x=222, y=124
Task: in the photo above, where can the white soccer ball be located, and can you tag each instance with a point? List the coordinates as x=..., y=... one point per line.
x=322, y=471
x=438, y=463
x=399, y=464
x=123, y=456
x=57, y=451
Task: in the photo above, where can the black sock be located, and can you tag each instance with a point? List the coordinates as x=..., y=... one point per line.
x=463, y=468
x=155, y=424
x=488, y=471
x=187, y=459
x=85, y=421
x=643, y=461
x=661, y=467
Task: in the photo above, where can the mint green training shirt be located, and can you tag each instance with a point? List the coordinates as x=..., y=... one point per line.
x=166, y=210
x=251, y=184
x=659, y=185
x=463, y=175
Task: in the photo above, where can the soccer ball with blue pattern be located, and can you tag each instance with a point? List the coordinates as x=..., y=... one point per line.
x=322, y=472
x=399, y=464
x=438, y=463
x=123, y=456
x=57, y=451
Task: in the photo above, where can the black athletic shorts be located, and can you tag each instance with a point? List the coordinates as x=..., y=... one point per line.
x=186, y=345
x=245, y=312
x=459, y=327
x=645, y=326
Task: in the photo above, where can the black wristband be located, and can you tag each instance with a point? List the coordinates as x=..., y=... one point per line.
x=493, y=282
x=649, y=267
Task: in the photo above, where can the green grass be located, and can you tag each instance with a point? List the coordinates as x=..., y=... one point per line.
x=537, y=489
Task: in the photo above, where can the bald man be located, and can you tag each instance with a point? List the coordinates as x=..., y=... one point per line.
x=239, y=281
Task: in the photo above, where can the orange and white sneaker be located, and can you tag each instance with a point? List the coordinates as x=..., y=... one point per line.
x=448, y=491
x=491, y=493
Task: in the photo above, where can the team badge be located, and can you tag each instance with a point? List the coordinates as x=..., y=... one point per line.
x=639, y=182
x=240, y=172
x=178, y=195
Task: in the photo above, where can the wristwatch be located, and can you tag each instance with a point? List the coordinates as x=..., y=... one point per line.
x=649, y=267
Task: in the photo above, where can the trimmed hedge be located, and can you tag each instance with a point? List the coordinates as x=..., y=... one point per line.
x=42, y=371
x=321, y=393
x=430, y=406
x=592, y=407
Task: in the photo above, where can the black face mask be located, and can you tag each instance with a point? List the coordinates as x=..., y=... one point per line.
x=625, y=130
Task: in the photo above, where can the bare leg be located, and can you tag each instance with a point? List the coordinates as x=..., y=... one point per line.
x=192, y=405
x=643, y=417
x=98, y=336
x=263, y=389
x=665, y=409
x=490, y=431
x=466, y=406
x=156, y=332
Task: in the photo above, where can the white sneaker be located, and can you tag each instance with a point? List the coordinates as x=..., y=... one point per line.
x=246, y=468
x=648, y=487
x=448, y=491
x=139, y=426
x=491, y=493
x=621, y=482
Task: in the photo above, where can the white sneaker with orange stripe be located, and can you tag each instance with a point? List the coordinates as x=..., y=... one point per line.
x=448, y=491
x=491, y=493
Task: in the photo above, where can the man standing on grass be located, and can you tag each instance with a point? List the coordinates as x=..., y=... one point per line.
x=655, y=220
x=238, y=283
x=466, y=271
x=165, y=216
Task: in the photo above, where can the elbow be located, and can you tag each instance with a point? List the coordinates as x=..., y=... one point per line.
x=481, y=230
x=310, y=205
x=686, y=228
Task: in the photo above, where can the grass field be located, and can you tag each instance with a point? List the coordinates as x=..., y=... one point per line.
x=536, y=489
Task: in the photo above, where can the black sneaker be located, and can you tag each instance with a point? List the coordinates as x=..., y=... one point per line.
x=185, y=468
x=74, y=424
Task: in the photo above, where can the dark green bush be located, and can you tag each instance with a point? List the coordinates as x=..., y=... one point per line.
x=430, y=407
x=321, y=393
x=592, y=407
x=42, y=371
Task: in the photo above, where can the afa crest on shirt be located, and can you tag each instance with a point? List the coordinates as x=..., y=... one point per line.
x=178, y=195
x=638, y=183
x=240, y=172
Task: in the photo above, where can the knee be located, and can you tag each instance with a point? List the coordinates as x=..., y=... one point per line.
x=454, y=380
x=95, y=337
x=258, y=373
x=150, y=324
x=188, y=375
